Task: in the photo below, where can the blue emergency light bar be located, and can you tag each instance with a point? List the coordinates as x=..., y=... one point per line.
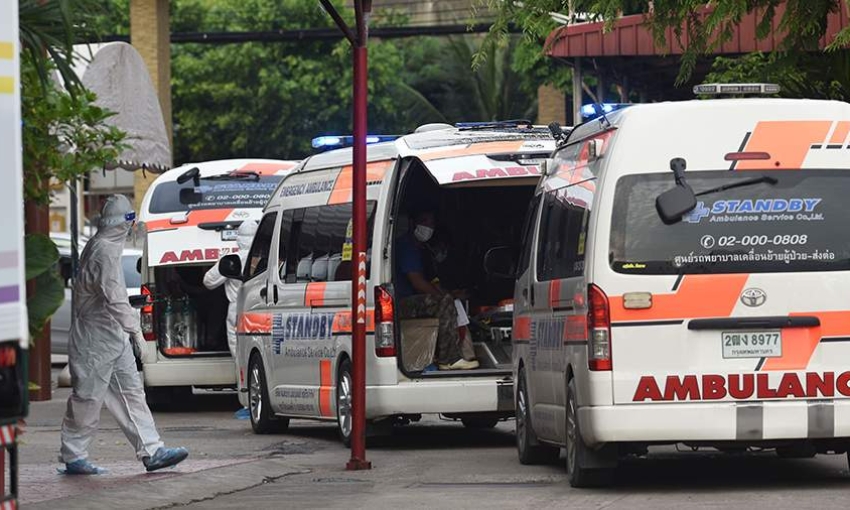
x=589, y=111
x=338, y=142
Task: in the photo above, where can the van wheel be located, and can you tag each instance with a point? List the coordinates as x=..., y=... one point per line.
x=344, y=416
x=479, y=423
x=263, y=420
x=577, y=452
x=530, y=451
x=168, y=398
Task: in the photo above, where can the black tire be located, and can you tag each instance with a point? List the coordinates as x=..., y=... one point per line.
x=529, y=450
x=479, y=423
x=577, y=472
x=168, y=398
x=263, y=419
x=344, y=417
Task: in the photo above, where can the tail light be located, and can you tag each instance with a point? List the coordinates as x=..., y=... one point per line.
x=384, y=323
x=8, y=357
x=598, y=330
x=147, y=316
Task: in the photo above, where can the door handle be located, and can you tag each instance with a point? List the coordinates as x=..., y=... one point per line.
x=275, y=294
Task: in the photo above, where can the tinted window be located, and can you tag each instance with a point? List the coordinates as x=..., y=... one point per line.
x=131, y=277
x=258, y=257
x=216, y=194
x=561, y=245
x=319, y=245
x=798, y=224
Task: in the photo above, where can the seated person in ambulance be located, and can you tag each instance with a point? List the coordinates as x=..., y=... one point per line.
x=420, y=298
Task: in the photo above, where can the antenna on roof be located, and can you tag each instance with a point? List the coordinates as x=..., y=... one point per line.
x=600, y=110
x=557, y=133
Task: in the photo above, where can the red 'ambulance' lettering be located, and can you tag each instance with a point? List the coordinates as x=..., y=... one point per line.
x=742, y=387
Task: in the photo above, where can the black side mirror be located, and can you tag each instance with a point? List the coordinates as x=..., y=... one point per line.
x=139, y=265
x=230, y=266
x=188, y=196
x=139, y=301
x=500, y=262
x=675, y=203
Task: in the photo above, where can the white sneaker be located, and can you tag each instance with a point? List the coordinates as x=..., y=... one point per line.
x=460, y=364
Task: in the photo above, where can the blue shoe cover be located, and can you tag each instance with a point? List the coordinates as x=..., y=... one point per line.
x=243, y=414
x=165, y=457
x=82, y=467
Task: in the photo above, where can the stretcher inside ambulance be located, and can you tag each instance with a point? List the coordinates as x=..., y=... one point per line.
x=189, y=219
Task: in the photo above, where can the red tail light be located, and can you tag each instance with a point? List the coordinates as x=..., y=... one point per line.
x=384, y=323
x=598, y=330
x=147, y=316
x=8, y=357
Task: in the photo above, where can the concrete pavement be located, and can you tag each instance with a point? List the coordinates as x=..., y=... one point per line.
x=433, y=464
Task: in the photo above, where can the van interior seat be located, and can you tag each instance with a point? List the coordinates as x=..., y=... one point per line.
x=304, y=269
x=320, y=271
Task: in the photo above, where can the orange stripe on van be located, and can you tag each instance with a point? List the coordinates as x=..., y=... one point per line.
x=342, y=322
x=475, y=149
x=255, y=323
x=344, y=186
x=315, y=294
x=193, y=219
x=787, y=142
x=326, y=387
x=522, y=328
x=699, y=296
x=798, y=345
x=267, y=168
x=840, y=133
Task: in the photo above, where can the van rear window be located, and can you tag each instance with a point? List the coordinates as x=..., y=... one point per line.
x=799, y=222
x=216, y=194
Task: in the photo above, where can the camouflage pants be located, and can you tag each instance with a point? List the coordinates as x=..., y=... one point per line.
x=443, y=308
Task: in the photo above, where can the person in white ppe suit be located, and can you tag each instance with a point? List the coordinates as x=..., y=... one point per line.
x=214, y=279
x=105, y=331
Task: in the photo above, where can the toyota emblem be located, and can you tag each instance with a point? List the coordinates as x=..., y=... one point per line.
x=753, y=297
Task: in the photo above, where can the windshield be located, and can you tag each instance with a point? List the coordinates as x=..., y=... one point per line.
x=132, y=278
x=792, y=221
x=216, y=194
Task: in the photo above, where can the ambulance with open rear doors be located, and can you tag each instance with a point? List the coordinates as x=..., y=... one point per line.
x=685, y=278
x=189, y=219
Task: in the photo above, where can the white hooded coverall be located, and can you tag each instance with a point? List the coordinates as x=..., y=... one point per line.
x=214, y=279
x=103, y=368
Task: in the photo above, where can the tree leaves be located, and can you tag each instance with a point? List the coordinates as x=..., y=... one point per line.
x=41, y=257
x=41, y=254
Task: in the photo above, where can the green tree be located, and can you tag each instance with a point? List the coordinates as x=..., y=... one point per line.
x=803, y=22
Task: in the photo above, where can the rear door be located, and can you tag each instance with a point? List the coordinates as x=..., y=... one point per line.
x=745, y=299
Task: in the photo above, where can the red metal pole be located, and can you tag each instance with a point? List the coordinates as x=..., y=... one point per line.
x=358, y=288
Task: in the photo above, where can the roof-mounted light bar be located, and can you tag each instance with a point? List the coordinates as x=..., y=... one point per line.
x=338, y=142
x=589, y=111
x=717, y=89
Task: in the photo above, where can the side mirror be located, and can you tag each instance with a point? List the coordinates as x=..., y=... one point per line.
x=188, y=196
x=139, y=301
x=192, y=174
x=500, y=262
x=230, y=266
x=675, y=203
x=139, y=265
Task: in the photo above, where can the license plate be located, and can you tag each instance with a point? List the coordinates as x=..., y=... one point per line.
x=752, y=344
x=229, y=235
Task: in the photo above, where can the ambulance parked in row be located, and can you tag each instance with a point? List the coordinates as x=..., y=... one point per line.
x=189, y=218
x=295, y=306
x=684, y=279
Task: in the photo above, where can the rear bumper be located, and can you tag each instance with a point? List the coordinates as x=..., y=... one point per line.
x=745, y=422
x=470, y=395
x=191, y=372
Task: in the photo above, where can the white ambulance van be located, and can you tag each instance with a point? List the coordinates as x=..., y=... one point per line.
x=707, y=305
x=295, y=305
x=189, y=218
